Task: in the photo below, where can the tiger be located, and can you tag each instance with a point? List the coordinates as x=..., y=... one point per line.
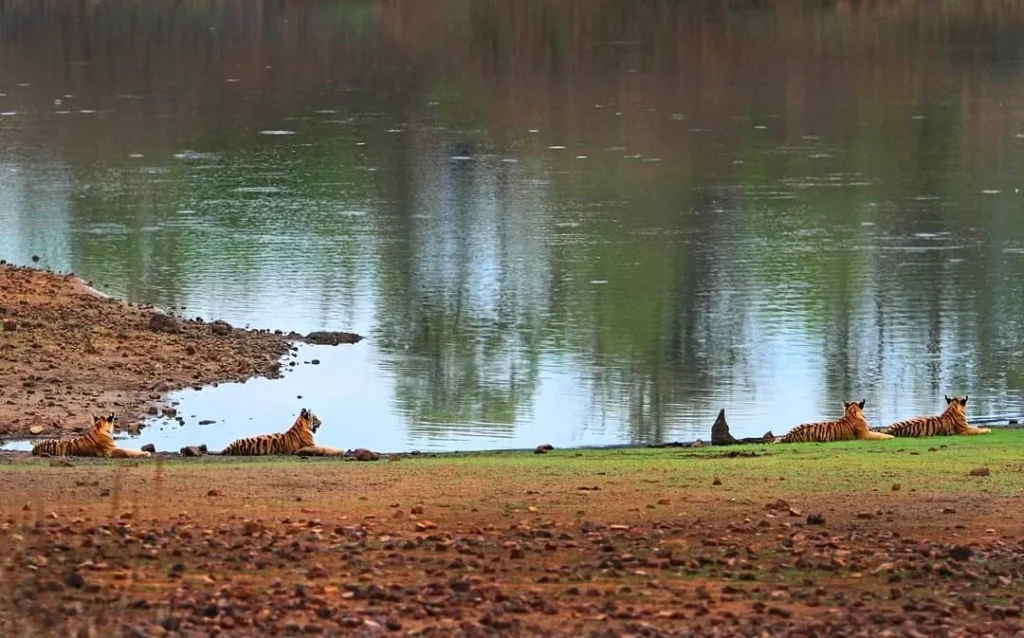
x=952, y=421
x=852, y=426
x=298, y=438
x=98, y=442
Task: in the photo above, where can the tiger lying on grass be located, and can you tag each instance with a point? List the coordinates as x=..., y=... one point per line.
x=98, y=442
x=952, y=421
x=298, y=439
x=852, y=426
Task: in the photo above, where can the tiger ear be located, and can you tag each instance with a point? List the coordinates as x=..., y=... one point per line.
x=112, y=417
x=861, y=404
x=304, y=412
x=846, y=404
x=94, y=418
x=948, y=400
x=965, y=400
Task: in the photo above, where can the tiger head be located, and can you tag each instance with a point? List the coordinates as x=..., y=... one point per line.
x=957, y=404
x=311, y=420
x=104, y=424
x=854, y=409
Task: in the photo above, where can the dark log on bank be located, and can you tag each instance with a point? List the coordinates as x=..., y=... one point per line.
x=720, y=433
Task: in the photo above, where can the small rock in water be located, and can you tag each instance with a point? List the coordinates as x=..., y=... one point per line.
x=149, y=447
x=328, y=338
x=207, y=422
x=35, y=258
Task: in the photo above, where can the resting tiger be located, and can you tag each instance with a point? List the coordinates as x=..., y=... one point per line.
x=952, y=421
x=98, y=442
x=852, y=426
x=298, y=438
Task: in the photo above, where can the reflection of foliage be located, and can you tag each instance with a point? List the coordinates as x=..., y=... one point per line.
x=684, y=235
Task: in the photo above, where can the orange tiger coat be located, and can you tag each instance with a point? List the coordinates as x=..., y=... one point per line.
x=852, y=426
x=98, y=442
x=298, y=438
x=952, y=421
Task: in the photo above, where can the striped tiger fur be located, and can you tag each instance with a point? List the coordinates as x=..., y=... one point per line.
x=852, y=426
x=952, y=421
x=298, y=437
x=98, y=442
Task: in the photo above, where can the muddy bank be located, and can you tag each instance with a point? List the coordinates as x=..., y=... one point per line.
x=67, y=351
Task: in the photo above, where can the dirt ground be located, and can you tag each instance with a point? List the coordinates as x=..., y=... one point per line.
x=67, y=352
x=563, y=544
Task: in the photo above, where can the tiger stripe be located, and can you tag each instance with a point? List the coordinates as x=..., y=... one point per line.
x=298, y=437
x=851, y=426
x=99, y=441
x=952, y=421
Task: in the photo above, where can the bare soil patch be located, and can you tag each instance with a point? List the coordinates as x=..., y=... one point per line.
x=541, y=545
x=66, y=352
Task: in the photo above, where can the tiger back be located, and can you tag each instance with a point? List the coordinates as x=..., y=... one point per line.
x=97, y=442
x=298, y=437
x=951, y=422
x=853, y=425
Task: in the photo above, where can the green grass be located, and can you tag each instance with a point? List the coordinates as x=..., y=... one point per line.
x=937, y=465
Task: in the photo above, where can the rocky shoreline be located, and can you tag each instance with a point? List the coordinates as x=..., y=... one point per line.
x=67, y=351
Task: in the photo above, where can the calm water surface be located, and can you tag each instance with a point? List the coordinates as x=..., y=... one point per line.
x=576, y=222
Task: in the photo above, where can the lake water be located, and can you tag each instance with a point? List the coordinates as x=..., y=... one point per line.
x=575, y=222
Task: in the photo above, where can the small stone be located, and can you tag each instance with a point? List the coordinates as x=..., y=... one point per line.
x=416, y=509
x=73, y=579
x=36, y=429
x=215, y=492
x=979, y=471
x=161, y=322
x=149, y=447
x=815, y=519
x=961, y=553
x=362, y=454
x=895, y=487
x=220, y=328
x=717, y=481
x=191, y=450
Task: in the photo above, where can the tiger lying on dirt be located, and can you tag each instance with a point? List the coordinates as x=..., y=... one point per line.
x=852, y=426
x=298, y=439
x=98, y=442
x=952, y=421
